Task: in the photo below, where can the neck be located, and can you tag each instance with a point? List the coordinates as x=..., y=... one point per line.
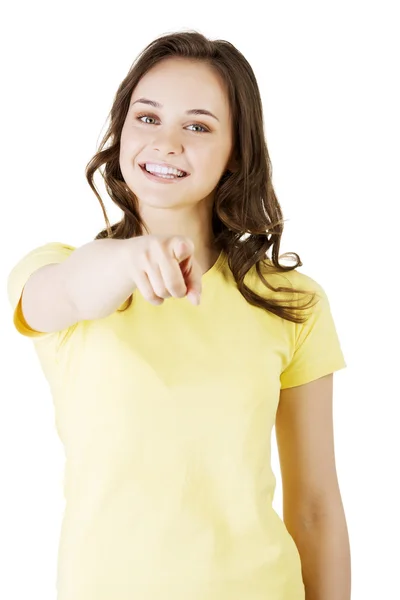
x=193, y=222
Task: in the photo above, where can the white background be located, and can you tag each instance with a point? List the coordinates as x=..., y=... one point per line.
x=329, y=80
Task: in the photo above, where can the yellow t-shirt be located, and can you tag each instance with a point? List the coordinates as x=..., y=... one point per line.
x=166, y=413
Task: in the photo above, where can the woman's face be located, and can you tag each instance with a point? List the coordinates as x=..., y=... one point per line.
x=199, y=144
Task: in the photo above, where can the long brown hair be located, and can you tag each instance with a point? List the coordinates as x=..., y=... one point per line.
x=247, y=218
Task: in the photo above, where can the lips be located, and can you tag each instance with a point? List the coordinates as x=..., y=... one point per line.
x=162, y=180
x=149, y=162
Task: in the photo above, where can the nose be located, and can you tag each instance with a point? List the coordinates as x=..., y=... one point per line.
x=167, y=142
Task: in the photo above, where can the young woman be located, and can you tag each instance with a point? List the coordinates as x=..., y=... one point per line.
x=166, y=409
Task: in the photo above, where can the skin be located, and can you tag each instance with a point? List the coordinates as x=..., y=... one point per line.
x=169, y=135
x=312, y=504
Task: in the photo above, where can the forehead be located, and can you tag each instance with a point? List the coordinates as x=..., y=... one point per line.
x=184, y=84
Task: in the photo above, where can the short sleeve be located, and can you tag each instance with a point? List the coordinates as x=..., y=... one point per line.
x=317, y=350
x=53, y=252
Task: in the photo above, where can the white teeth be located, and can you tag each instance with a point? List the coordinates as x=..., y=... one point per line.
x=162, y=170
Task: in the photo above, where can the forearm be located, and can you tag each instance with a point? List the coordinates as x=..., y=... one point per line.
x=324, y=548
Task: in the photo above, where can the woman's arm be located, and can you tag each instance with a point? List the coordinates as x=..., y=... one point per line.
x=312, y=504
x=323, y=544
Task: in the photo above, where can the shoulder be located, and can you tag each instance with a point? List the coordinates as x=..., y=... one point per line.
x=45, y=252
x=285, y=283
x=27, y=262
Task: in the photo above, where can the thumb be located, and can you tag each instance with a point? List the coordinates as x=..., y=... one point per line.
x=182, y=249
x=193, y=284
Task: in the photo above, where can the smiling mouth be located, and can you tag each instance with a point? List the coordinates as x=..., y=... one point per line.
x=171, y=176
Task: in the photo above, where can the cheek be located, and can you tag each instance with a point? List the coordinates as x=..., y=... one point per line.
x=211, y=159
x=131, y=140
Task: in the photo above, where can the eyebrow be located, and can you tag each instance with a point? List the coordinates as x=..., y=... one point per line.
x=192, y=111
